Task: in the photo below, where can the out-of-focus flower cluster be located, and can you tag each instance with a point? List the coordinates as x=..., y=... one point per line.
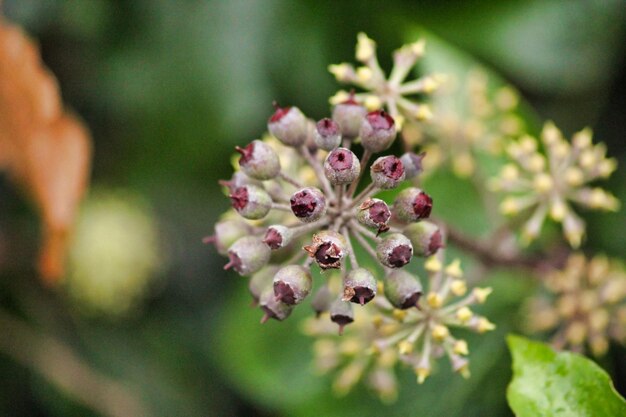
x=394, y=93
x=415, y=337
x=469, y=116
x=584, y=305
x=543, y=185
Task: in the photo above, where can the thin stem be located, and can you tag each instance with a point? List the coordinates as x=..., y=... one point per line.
x=368, y=191
x=295, y=258
x=351, y=252
x=301, y=229
x=339, y=189
x=281, y=207
x=289, y=180
x=365, y=244
x=317, y=168
x=362, y=229
x=364, y=160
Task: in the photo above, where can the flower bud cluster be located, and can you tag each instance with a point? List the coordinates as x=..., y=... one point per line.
x=393, y=331
x=545, y=184
x=393, y=92
x=584, y=305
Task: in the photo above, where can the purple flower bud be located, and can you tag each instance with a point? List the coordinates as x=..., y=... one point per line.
x=425, y=237
x=226, y=233
x=292, y=284
x=341, y=313
x=308, y=204
x=374, y=213
x=248, y=255
x=327, y=134
x=394, y=250
x=251, y=202
x=259, y=161
x=378, y=131
x=412, y=205
x=341, y=166
x=328, y=249
x=289, y=126
x=412, y=164
x=273, y=308
x=359, y=286
x=387, y=172
x=349, y=115
x=402, y=289
x=277, y=236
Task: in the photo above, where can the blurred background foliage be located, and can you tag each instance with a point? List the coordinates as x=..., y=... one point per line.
x=168, y=88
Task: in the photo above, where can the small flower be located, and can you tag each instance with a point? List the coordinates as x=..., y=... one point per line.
x=391, y=92
x=584, y=305
x=546, y=185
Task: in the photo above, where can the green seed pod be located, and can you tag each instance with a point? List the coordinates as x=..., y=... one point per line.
x=394, y=250
x=425, y=237
x=251, y=202
x=387, y=172
x=412, y=205
x=273, y=308
x=341, y=313
x=262, y=280
x=248, y=255
x=289, y=125
x=378, y=131
x=341, y=166
x=259, y=161
x=292, y=284
x=359, y=286
x=402, y=289
x=349, y=116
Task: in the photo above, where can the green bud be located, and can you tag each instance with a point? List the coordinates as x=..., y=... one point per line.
x=248, y=255
x=402, y=289
x=359, y=286
x=259, y=161
x=251, y=202
x=425, y=237
x=292, y=284
x=289, y=125
x=394, y=250
x=278, y=236
x=273, y=308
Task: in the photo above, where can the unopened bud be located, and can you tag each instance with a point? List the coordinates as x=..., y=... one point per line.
x=288, y=125
x=251, y=202
x=328, y=249
x=341, y=313
x=341, y=166
x=412, y=164
x=394, y=250
x=387, y=172
x=412, y=204
x=327, y=134
x=226, y=233
x=402, y=289
x=272, y=307
x=259, y=161
x=425, y=237
x=349, y=115
x=308, y=204
x=248, y=255
x=374, y=213
x=292, y=284
x=378, y=131
x=359, y=286
x=277, y=236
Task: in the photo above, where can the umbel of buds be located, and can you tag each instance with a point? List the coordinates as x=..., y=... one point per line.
x=300, y=195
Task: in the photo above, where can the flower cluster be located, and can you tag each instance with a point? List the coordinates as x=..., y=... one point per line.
x=545, y=185
x=393, y=93
x=390, y=334
x=470, y=115
x=585, y=304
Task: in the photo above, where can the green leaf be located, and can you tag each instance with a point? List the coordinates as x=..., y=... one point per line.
x=547, y=383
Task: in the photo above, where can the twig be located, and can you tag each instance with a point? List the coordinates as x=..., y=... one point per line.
x=317, y=168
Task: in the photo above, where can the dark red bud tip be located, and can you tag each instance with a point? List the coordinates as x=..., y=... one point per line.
x=422, y=205
x=303, y=204
x=328, y=255
x=342, y=321
x=412, y=301
x=400, y=255
x=351, y=100
x=380, y=120
x=436, y=242
x=362, y=295
x=327, y=127
x=284, y=293
x=246, y=153
x=265, y=318
x=340, y=159
x=239, y=198
x=234, y=262
x=279, y=113
x=273, y=239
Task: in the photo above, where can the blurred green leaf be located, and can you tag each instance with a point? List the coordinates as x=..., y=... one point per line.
x=549, y=384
